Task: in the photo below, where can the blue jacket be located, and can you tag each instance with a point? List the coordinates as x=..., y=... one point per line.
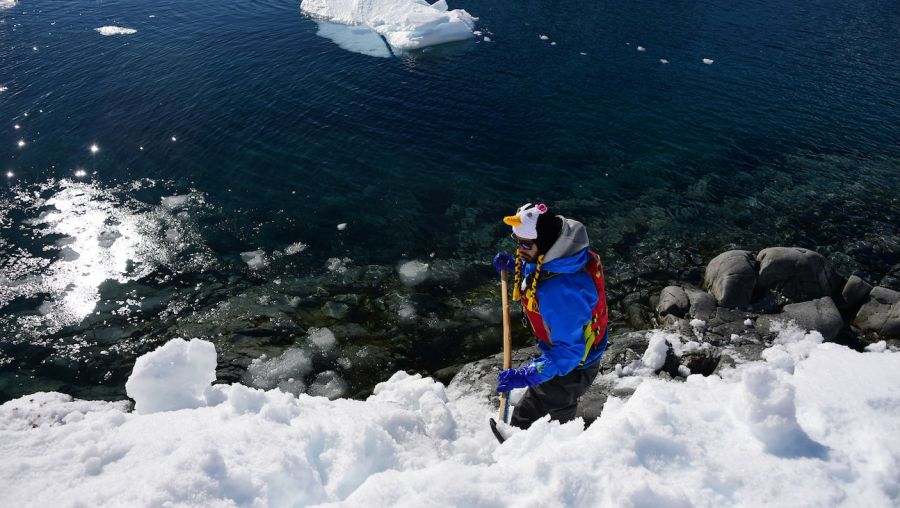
x=567, y=296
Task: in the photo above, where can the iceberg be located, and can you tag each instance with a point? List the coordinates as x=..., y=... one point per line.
x=404, y=24
x=115, y=30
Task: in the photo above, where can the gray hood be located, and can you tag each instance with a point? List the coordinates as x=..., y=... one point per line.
x=573, y=238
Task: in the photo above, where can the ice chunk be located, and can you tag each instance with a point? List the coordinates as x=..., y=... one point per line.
x=323, y=338
x=337, y=265
x=342, y=226
x=7, y=4
x=175, y=202
x=708, y=61
x=663, y=61
x=269, y=373
x=295, y=248
x=413, y=272
x=328, y=384
x=173, y=377
x=115, y=30
x=487, y=39
x=641, y=48
x=358, y=39
x=255, y=259
x=544, y=37
x=748, y=322
x=405, y=24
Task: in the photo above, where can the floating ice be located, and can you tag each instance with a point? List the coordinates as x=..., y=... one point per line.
x=175, y=202
x=641, y=48
x=255, y=259
x=663, y=61
x=413, y=272
x=544, y=37
x=323, y=338
x=327, y=384
x=342, y=226
x=405, y=24
x=268, y=373
x=708, y=61
x=3, y=89
x=487, y=39
x=115, y=30
x=553, y=43
x=295, y=248
x=337, y=265
x=7, y=4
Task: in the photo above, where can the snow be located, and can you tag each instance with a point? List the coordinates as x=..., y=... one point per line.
x=115, y=30
x=760, y=435
x=405, y=24
x=175, y=376
x=878, y=347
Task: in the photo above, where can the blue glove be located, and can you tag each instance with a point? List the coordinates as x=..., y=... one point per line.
x=518, y=378
x=504, y=261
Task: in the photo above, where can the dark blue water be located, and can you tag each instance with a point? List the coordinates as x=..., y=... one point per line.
x=790, y=136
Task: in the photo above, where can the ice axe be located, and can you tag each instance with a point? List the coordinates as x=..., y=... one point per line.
x=504, y=263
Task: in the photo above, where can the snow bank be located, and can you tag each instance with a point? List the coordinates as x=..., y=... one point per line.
x=818, y=434
x=115, y=30
x=175, y=376
x=405, y=24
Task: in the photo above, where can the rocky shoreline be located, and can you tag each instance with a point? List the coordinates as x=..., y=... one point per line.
x=744, y=300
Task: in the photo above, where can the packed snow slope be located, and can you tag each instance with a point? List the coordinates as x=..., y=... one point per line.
x=405, y=24
x=812, y=425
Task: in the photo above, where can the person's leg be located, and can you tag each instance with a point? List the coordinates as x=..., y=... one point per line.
x=558, y=397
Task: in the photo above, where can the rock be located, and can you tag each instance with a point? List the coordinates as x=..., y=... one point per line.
x=731, y=277
x=703, y=304
x=336, y=310
x=702, y=361
x=820, y=315
x=725, y=362
x=855, y=292
x=796, y=274
x=880, y=315
x=673, y=300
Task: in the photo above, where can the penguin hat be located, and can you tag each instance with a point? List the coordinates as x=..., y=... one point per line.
x=524, y=222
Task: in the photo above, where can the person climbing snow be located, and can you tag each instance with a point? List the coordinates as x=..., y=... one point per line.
x=559, y=283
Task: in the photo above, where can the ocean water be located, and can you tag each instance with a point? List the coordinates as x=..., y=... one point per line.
x=189, y=178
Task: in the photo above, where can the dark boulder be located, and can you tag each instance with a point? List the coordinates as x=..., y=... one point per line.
x=731, y=278
x=796, y=274
x=880, y=316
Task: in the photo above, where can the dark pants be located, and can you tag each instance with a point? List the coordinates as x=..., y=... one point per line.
x=557, y=397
